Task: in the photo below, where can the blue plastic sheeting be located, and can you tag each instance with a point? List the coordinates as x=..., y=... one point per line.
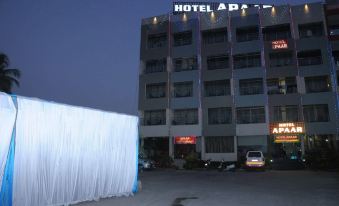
x=135, y=187
x=6, y=193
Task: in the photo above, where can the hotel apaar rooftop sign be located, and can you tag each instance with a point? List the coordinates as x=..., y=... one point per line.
x=180, y=7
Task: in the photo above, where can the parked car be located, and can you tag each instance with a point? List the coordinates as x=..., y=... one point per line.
x=255, y=159
x=145, y=164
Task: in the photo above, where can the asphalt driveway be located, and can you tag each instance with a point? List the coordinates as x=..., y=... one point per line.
x=201, y=188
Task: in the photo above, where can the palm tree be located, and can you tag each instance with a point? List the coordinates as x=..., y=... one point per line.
x=8, y=77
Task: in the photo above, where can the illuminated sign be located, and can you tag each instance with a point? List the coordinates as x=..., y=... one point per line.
x=286, y=139
x=179, y=7
x=185, y=140
x=287, y=128
x=279, y=44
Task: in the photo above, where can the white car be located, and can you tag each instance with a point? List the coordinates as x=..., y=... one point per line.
x=255, y=159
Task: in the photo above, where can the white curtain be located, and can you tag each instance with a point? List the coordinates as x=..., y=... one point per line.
x=7, y=118
x=66, y=154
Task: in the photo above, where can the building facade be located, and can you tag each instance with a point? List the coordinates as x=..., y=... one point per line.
x=215, y=83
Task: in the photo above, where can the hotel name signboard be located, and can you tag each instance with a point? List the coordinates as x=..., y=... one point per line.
x=185, y=140
x=287, y=128
x=279, y=44
x=180, y=7
x=287, y=132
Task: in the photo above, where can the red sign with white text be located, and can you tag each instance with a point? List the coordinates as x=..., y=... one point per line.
x=185, y=140
x=279, y=44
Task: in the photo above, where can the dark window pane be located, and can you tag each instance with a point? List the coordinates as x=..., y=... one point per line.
x=222, y=115
x=285, y=85
x=317, y=84
x=311, y=57
x=280, y=59
x=311, y=30
x=219, y=144
x=185, y=64
x=214, y=36
x=217, y=62
x=182, y=38
x=157, y=90
x=217, y=88
x=250, y=115
x=155, y=65
x=156, y=40
x=277, y=32
x=251, y=86
x=316, y=113
x=183, y=89
x=247, y=60
x=155, y=117
x=185, y=117
x=247, y=34
x=287, y=113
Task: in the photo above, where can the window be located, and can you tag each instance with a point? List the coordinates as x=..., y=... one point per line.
x=311, y=57
x=157, y=90
x=247, y=34
x=185, y=116
x=277, y=32
x=215, y=36
x=217, y=62
x=288, y=113
x=183, y=89
x=311, y=30
x=336, y=57
x=222, y=115
x=185, y=64
x=250, y=115
x=280, y=59
x=317, y=84
x=219, y=144
x=156, y=41
x=316, y=113
x=285, y=85
x=247, y=60
x=251, y=86
x=155, y=65
x=182, y=38
x=217, y=88
x=155, y=117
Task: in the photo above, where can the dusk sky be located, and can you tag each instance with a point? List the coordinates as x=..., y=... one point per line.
x=80, y=52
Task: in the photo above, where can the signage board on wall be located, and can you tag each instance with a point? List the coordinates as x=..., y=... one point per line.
x=180, y=7
x=287, y=128
x=286, y=138
x=185, y=140
x=279, y=44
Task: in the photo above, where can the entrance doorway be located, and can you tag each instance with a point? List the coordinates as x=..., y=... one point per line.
x=287, y=151
x=184, y=146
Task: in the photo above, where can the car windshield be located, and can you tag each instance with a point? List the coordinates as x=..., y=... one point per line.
x=254, y=154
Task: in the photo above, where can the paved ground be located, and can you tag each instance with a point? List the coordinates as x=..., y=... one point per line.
x=201, y=188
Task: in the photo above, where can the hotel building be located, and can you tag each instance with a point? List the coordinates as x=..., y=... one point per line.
x=219, y=83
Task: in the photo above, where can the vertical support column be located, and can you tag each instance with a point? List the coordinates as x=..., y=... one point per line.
x=169, y=70
x=171, y=146
x=199, y=56
x=300, y=82
x=263, y=62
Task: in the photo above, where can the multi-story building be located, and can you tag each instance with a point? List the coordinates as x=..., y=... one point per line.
x=224, y=82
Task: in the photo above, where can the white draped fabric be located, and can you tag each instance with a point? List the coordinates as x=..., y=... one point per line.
x=66, y=154
x=7, y=118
